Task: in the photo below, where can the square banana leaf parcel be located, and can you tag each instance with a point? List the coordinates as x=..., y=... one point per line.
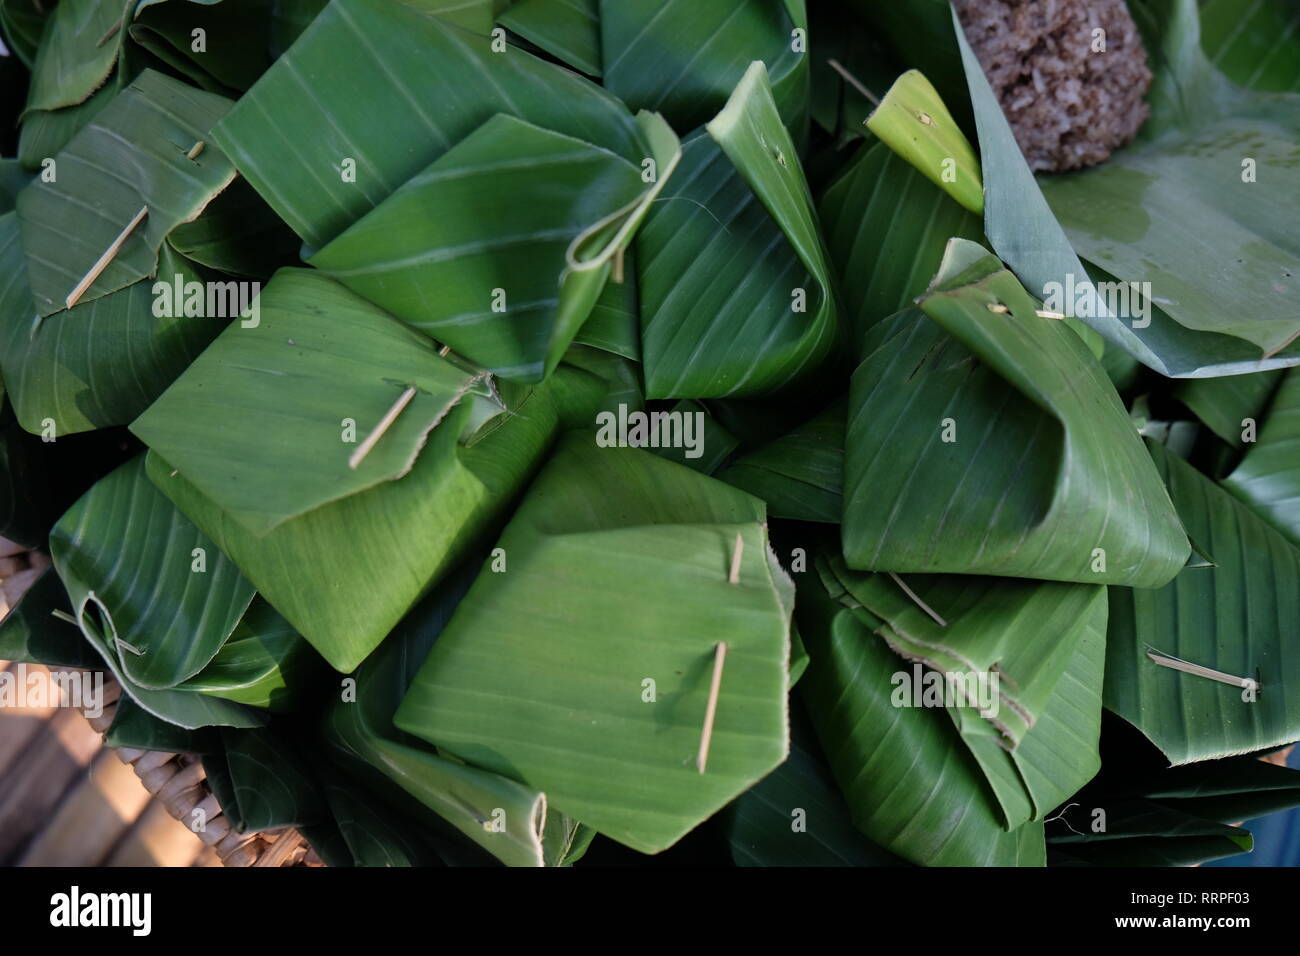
x=338, y=458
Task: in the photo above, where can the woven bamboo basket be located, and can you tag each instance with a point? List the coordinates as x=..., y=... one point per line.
x=178, y=782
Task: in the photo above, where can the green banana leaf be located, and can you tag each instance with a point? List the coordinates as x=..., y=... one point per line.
x=569, y=30
x=1229, y=790
x=911, y=784
x=264, y=663
x=683, y=58
x=134, y=566
x=31, y=632
x=236, y=40
x=12, y=180
x=1144, y=833
x=599, y=641
x=795, y=817
x=271, y=783
x=1234, y=617
x=99, y=363
x=237, y=233
x=1216, y=249
x=801, y=474
x=1045, y=475
x=361, y=727
x=1268, y=477
x=415, y=86
x=1255, y=47
x=135, y=728
x=45, y=133
x=913, y=121
x=78, y=51
x=614, y=324
x=69, y=223
x=22, y=22
x=1224, y=404
x=538, y=253
x=320, y=358
x=731, y=262
x=887, y=227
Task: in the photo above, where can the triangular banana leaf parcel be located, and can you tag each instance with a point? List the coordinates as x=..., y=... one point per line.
x=583, y=667
x=339, y=458
x=985, y=439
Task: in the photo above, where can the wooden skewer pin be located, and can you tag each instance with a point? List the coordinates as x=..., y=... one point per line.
x=734, y=576
x=917, y=600
x=384, y=424
x=706, y=735
x=1198, y=670
x=1001, y=309
x=853, y=81
x=102, y=263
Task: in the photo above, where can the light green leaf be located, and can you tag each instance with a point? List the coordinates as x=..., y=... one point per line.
x=69, y=223
x=552, y=656
x=1030, y=464
x=1268, y=478
x=165, y=598
x=1235, y=618
x=415, y=86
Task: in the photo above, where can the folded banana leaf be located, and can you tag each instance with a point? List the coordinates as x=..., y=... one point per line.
x=23, y=21
x=569, y=30
x=70, y=222
x=1234, y=619
x=709, y=47
x=911, y=783
x=32, y=632
x=65, y=373
x=1268, y=477
x=735, y=284
x=263, y=443
x=506, y=277
x=1006, y=451
x=599, y=638
x=325, y=145
x=360, y=726
x=78, y=51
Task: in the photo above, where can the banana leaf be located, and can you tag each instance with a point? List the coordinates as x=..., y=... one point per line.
x=361, y=727
x=78, y=51
x=683, y=58
x=544, y=246
x=1234, y=618
x=271, y=783
x=887, y=227
x=913, y=121
x=731, y=262
x=134, y=566
x=264, y=663
x=1144, y=833
x=12, y=180
x=99, y=363
x=1044, y=475
x=236, y=40
x=45, y=133
x=136, y=728
x=1226, y=791
x=1268, y=477
x=569, y=30
x=68, y=224
x=801, y=474
x=911, y=784
x=319, y=359
x=1255, y=47
x=599, y=642
x=1223, y=404
x=614, y=324
x=1218, y=250
x=22, y=22
x=237, y=233
x=795, y=817
x=31, y=632
x=415, y=86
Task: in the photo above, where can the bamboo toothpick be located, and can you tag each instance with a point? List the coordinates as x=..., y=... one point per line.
x=129, y=647
x=384, y=424
x=853, y=81
x=195, y=150
x=102, y=263
x=1198, y=670
x=719, y=657
x=1001, y=309
x=733, y=577
x=617, y=274
x=919, y=603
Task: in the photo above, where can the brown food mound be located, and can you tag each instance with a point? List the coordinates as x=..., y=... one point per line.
x=1068, y=105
